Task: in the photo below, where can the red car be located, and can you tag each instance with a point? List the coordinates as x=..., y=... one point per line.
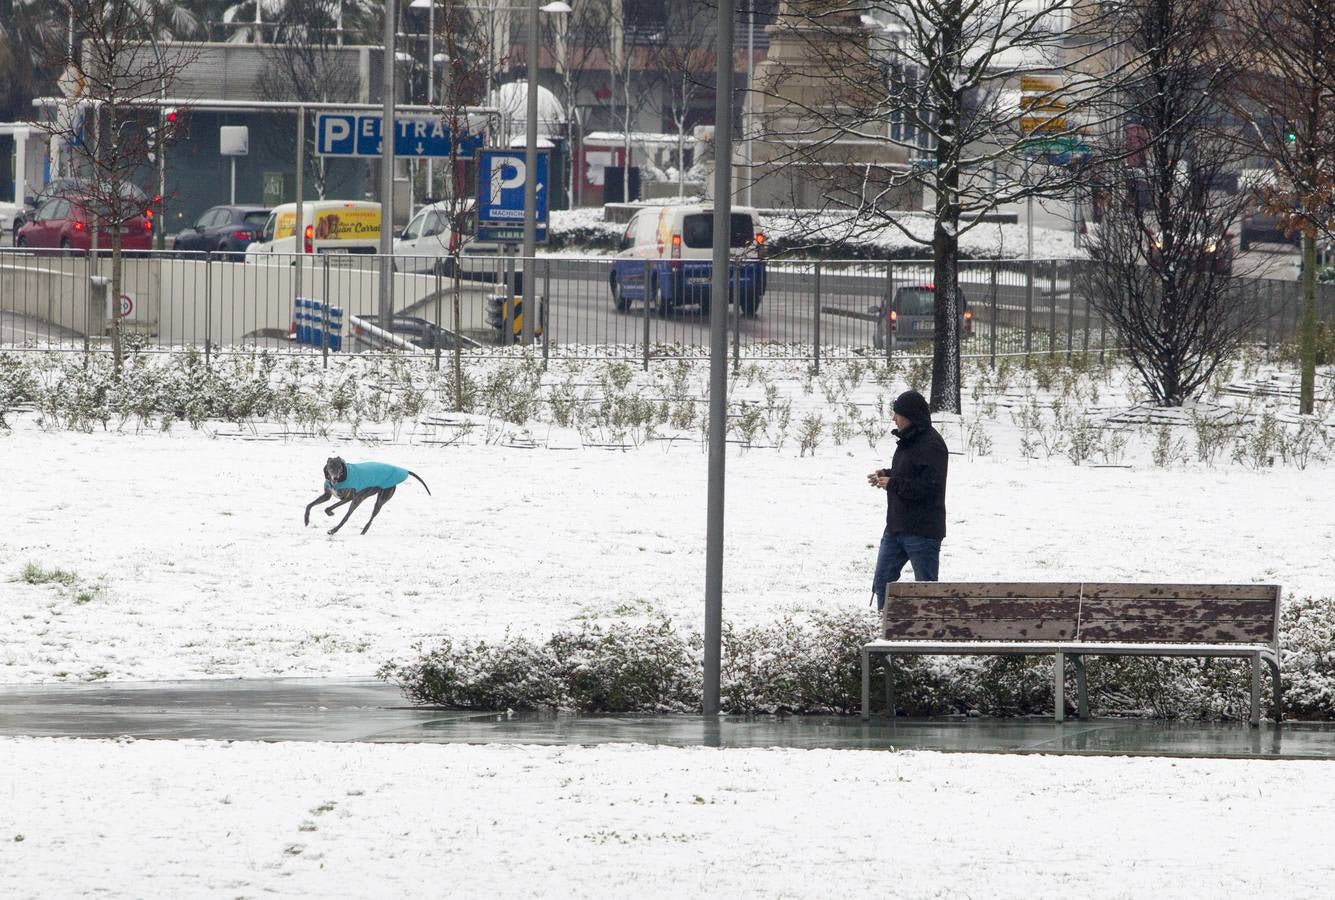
x=64, y=223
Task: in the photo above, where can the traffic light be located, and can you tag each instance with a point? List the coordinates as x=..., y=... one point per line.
x=173, y=115
x=1290, y=135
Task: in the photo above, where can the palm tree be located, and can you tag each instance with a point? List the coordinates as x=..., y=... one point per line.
x=30, y=33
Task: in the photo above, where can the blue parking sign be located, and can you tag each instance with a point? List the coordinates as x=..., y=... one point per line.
x=502, y=175
x=335, y=135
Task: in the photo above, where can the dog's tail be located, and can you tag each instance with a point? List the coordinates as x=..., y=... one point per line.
x=419, y=478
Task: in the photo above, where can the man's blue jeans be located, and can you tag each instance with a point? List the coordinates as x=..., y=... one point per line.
x=896, y=549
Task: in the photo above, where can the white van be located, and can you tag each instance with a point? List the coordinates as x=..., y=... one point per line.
x=330, y=226
x=666, y=258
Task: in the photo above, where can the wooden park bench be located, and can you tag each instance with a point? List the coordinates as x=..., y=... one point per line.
x=1077, y=620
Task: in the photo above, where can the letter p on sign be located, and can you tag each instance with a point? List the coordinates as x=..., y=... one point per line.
x=499, y=182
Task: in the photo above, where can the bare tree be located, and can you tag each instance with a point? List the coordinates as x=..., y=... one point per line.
x=1161, y=261
x=894, y=100
x=1289, y=107
x=575, y=39
x=304, y=61
x=120, y=70
x=686, y=61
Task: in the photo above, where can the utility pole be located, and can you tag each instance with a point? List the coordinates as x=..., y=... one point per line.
x=387, y=170
x=531, y=178
x=718, y=360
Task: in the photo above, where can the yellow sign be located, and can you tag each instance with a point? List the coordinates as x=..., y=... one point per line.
x=1039, y=104
x=1037, y=84
x=1042, y=123
x=334, y=225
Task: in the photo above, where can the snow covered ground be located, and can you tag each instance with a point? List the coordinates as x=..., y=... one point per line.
x=136, y=556
x=196, y=819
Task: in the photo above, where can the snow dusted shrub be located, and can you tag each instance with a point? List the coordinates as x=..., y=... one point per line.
x=1307, y=638
x=628, y=668
x=512, y=674
x=17, y=385
x=1167, y=449
x=808, y=438
x=812, y=666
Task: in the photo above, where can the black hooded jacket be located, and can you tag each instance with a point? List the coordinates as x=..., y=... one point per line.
x=917, y=489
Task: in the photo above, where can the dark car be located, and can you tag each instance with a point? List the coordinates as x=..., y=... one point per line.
x=1264, y=227
x=69, y=189
x=911, y=316
x=223, y=229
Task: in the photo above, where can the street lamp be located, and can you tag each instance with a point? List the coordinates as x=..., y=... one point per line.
x=531, y=162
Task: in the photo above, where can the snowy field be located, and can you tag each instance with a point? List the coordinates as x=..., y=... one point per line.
x=193, y=819
x=183, y=555
x=137, y=555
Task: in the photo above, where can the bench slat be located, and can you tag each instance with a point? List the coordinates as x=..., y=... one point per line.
x=1174, y=632
x=981, y=608
x=1192, y=610
x=982, y=589
x=1053, y=629
x=1102, y=590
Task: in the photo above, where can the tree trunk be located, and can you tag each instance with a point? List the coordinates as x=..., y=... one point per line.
x=1307, y=330
x=946, y=343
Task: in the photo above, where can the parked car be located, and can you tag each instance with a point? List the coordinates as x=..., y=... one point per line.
x=67, y=188
x=67, y=224
x=1264, y=227
x=1211, y=253
x=666, y=258
x=911, y=316
x=428, y=243
x=223, y=229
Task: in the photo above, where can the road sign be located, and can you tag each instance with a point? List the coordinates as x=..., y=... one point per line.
x=501, y=176
x=1042, y=123
x=1038, y=84
x=358, y=134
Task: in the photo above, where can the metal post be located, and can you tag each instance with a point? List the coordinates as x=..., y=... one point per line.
x=885, y=313
x=815, y=345
x=1029, y=306
x=646, y=315
x=718, y=365
x=1052, y=310
x=299, y=232
x=387, y=167
x=992, y=339
x=324, y=305
x=750, y=69
x=88, y=292
x=439, y=290
x=233, y=194
x=1070, y=308
x=208, y=305
x=736, y=299
x=547, y=295
x=431, y=101
x=508, y=337
x=531, y=170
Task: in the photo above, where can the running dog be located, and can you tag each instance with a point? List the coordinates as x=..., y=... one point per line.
x=354, y=482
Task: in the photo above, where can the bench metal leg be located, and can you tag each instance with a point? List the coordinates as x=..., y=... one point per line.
x=866, y=685
x=1255, y=716
x=1081, y=686
x=889, y=688
x=1059, y=686
x=1276, y=686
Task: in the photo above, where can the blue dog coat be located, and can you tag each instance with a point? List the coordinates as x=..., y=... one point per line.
x=361, y=476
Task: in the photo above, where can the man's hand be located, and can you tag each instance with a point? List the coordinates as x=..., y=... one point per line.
x=878, y=479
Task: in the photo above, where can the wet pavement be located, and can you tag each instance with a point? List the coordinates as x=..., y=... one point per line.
x=364, y=710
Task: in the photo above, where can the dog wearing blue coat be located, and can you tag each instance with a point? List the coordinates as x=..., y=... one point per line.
x=354, y=482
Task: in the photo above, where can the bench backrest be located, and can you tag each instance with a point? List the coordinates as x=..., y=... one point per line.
x=1100, y=612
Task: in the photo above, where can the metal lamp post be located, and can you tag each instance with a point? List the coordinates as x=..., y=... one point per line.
x=531, y=163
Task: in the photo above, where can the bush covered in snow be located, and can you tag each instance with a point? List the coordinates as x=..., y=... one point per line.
x=814, y=666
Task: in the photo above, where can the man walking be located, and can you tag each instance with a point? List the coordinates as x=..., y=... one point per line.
x=915, y=485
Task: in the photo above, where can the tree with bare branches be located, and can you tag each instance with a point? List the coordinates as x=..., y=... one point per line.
x=883, y=103
x=686, y=60
x=112, y=124
x=1288, y=106
x=1161, y=258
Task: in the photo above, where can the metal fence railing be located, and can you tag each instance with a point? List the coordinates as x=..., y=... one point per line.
x=810, y=309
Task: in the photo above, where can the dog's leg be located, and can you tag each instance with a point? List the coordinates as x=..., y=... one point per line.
x=329, y=510
x=356, y=502
x=316, y=502
x=379, y=502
